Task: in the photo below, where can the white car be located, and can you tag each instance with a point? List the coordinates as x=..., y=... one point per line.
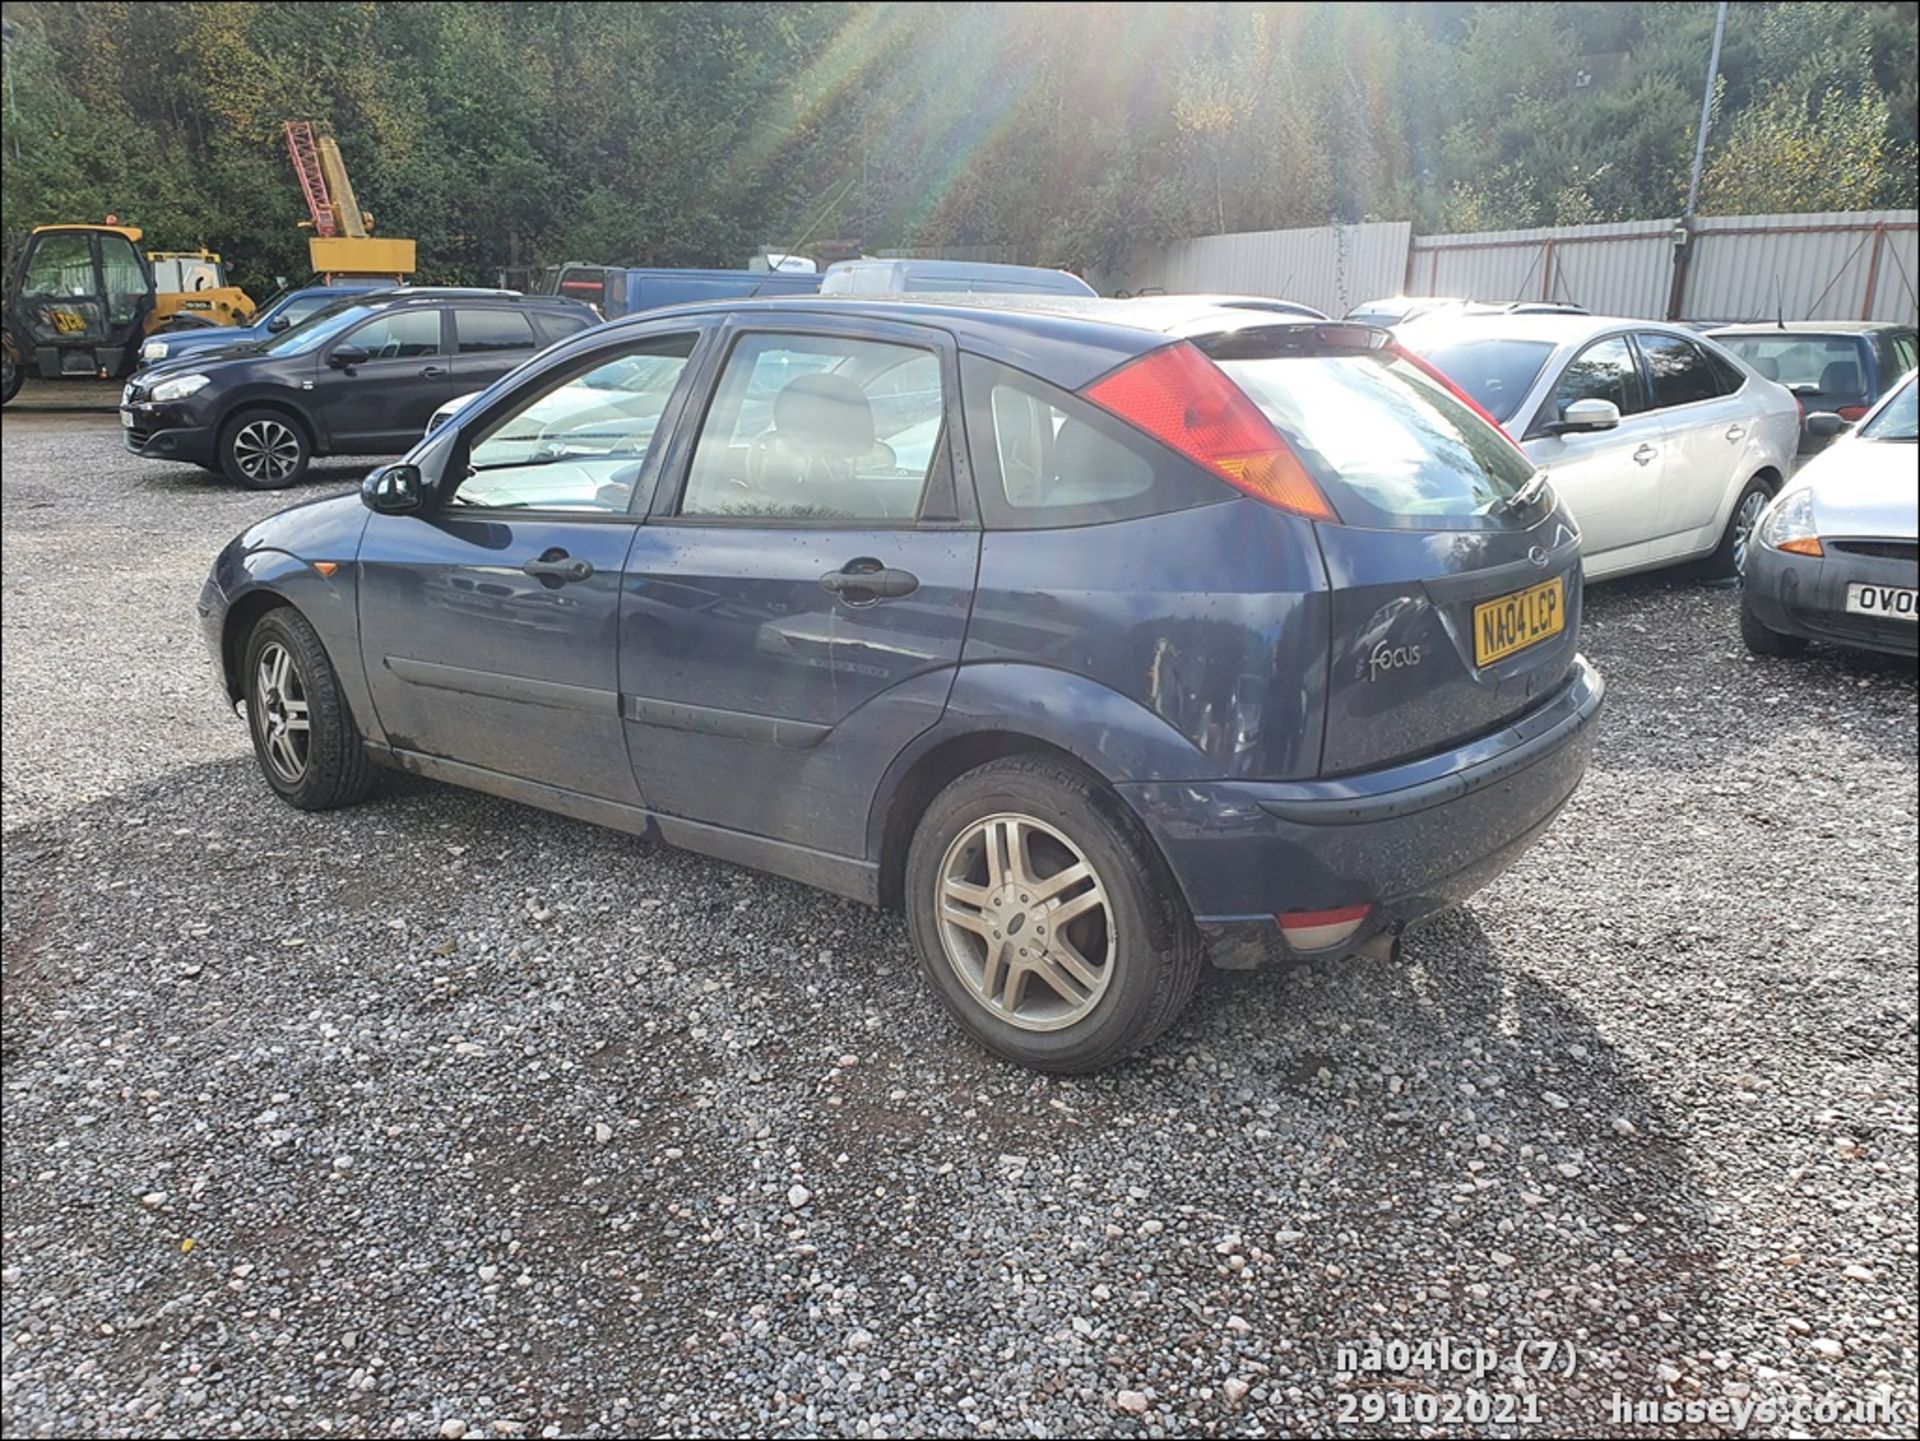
x=1665, y=447
x=1837, y=556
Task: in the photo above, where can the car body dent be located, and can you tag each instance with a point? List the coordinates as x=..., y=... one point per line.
x=1212, y=620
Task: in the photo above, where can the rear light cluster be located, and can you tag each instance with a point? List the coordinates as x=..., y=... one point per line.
x=1852, y=412
x=1185, y=401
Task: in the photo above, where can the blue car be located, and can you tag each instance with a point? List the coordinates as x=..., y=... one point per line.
x=284, y=311
x=1097, y=636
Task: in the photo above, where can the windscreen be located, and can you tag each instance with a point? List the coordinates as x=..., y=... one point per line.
x=1496, y=373
x=318, y=330
x=1899, y=418
x=1387, y=443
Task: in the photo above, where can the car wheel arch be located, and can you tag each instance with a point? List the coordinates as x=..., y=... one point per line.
x=243, y=614
x=918, y=776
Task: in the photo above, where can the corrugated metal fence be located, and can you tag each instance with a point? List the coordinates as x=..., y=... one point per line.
x=1331, y=267
x=1835, y=266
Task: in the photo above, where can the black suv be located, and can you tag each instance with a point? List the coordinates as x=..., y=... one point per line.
x=360, y=379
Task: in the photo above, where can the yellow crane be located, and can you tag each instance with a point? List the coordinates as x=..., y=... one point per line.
x=343, y=243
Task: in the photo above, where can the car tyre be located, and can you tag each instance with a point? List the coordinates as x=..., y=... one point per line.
x=1763, y=640
x=264, y=449
x=304, y=737
x=1045, y=919
x=1731, y=554
x=12, y=372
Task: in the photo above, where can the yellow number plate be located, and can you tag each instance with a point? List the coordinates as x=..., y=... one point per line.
x=1514, y=622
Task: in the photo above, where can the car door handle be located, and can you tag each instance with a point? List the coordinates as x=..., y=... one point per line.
x=558, y=565
x=1645, y=454
x=1734, y=432
x=432, y=372
x=864, y=580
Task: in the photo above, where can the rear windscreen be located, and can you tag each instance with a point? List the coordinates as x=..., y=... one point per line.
x=1496, y=373
x=1388, y=444
x=1824, y=365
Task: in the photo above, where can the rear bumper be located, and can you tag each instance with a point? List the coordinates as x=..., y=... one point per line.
x=1806, y=595
x=1410, y=839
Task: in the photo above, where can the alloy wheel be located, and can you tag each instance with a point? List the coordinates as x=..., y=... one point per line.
x=280, y=712
x=1744, y=521
x=266, y=450
x=1025, y=922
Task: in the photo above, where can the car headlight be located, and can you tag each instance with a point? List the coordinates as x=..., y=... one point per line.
x=180, y=387
x=1789, y=524
x=154, y=350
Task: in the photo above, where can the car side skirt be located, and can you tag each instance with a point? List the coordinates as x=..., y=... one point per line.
x=857, y=880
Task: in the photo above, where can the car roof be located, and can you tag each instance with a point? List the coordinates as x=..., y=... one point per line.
x=1068, y=339
x=1809, y=327
x=1553, y=328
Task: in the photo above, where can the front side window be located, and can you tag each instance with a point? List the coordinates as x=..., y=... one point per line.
x=818, y=428
x=62, y=266
x=1605, y=370
x=399, y=335
x=487, y=332
x=1677, y=371
x=582, y=441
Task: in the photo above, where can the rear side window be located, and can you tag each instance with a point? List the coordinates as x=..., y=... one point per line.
x=1904, y=353
x=552, y=327
x=1677, y=371
x=1387, y=444
x=486, y=332
x=1727, y=376
x=1043, y=458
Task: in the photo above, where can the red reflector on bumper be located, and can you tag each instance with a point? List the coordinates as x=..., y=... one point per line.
x=1317, y=930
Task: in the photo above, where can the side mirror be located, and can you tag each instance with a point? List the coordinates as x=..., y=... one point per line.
x=345, y=357
x=279, y=322
x=393, y=490
x=1824, y=425
x=1584, y=416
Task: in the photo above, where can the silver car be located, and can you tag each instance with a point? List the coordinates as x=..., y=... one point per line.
x=1837, y=555
x=1665, y=447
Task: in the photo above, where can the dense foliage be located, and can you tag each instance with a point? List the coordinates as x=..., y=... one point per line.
x=504, y=135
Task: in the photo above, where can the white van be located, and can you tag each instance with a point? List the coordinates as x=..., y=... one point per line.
x=946, y=277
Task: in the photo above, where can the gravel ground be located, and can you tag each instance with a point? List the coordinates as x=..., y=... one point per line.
x=445, y=1117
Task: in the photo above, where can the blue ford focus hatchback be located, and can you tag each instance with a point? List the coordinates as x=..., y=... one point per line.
x=1097, y=636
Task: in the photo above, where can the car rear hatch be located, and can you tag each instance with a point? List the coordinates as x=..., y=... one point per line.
x=1454, y=575
x=1455, y=578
